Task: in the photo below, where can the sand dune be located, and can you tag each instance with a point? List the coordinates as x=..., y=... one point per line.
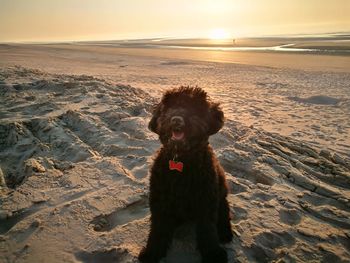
x=74, y=158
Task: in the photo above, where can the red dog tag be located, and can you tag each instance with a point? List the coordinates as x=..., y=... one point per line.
x=176, y=165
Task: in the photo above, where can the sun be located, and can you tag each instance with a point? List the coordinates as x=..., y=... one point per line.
x=219, y=33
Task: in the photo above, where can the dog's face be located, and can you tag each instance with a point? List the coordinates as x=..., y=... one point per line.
x=186, y=118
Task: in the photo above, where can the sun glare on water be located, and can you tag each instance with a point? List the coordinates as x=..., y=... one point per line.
x=219, y=33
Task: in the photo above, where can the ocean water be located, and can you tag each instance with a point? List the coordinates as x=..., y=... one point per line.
x=337, y=44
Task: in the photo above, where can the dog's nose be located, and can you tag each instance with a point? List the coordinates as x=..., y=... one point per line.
x=177, y=120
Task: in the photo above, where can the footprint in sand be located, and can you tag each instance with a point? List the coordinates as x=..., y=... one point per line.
x=274, y=239
x=262, y=196
x=328, y=256
x=290, y=216
x=106, y=256
x=9, y=222
x=259, y=254
x=131, y=212
x=239, y=214
x=262, y=250
x=331, y=216
x=235, y=186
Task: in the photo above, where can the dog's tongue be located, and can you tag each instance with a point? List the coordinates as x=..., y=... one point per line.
x=177, y=135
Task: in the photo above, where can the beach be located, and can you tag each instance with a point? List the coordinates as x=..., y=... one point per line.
x=301, y=95
x=75, y=150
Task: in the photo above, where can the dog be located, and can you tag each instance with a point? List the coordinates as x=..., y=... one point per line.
x=187, y=183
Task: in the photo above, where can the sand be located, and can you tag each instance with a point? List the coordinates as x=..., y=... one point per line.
x=75, y=152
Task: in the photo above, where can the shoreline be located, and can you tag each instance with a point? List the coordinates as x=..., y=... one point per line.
x=290, y=60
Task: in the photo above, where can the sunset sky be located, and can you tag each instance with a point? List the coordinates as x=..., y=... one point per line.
x=52, y=20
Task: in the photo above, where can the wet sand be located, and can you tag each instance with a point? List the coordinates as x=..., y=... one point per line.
x=36, y=55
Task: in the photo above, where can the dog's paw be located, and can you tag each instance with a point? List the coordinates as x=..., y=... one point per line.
x=218, y=255
x=146, y=257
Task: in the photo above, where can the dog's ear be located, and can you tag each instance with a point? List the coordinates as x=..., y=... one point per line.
x=216, y=118
x=153, y=123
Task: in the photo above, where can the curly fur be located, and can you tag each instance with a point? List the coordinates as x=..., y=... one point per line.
x=198, y=193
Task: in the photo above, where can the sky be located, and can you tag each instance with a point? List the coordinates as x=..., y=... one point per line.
x=61, y=20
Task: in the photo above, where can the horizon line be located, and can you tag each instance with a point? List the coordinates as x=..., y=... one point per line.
x=172, y=38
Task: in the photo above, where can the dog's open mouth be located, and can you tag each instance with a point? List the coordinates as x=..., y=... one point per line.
x=177, y=135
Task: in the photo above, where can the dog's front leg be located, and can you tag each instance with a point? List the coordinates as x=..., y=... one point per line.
x=224, y=224
x=208, y=242
x=159, y=239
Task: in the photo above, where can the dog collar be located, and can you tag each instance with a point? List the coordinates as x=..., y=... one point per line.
x=173, y=165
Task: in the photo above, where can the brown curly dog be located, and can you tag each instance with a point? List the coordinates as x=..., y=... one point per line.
x=187, y=183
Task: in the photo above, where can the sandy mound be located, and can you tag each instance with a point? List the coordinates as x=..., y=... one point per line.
x=74, y=158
